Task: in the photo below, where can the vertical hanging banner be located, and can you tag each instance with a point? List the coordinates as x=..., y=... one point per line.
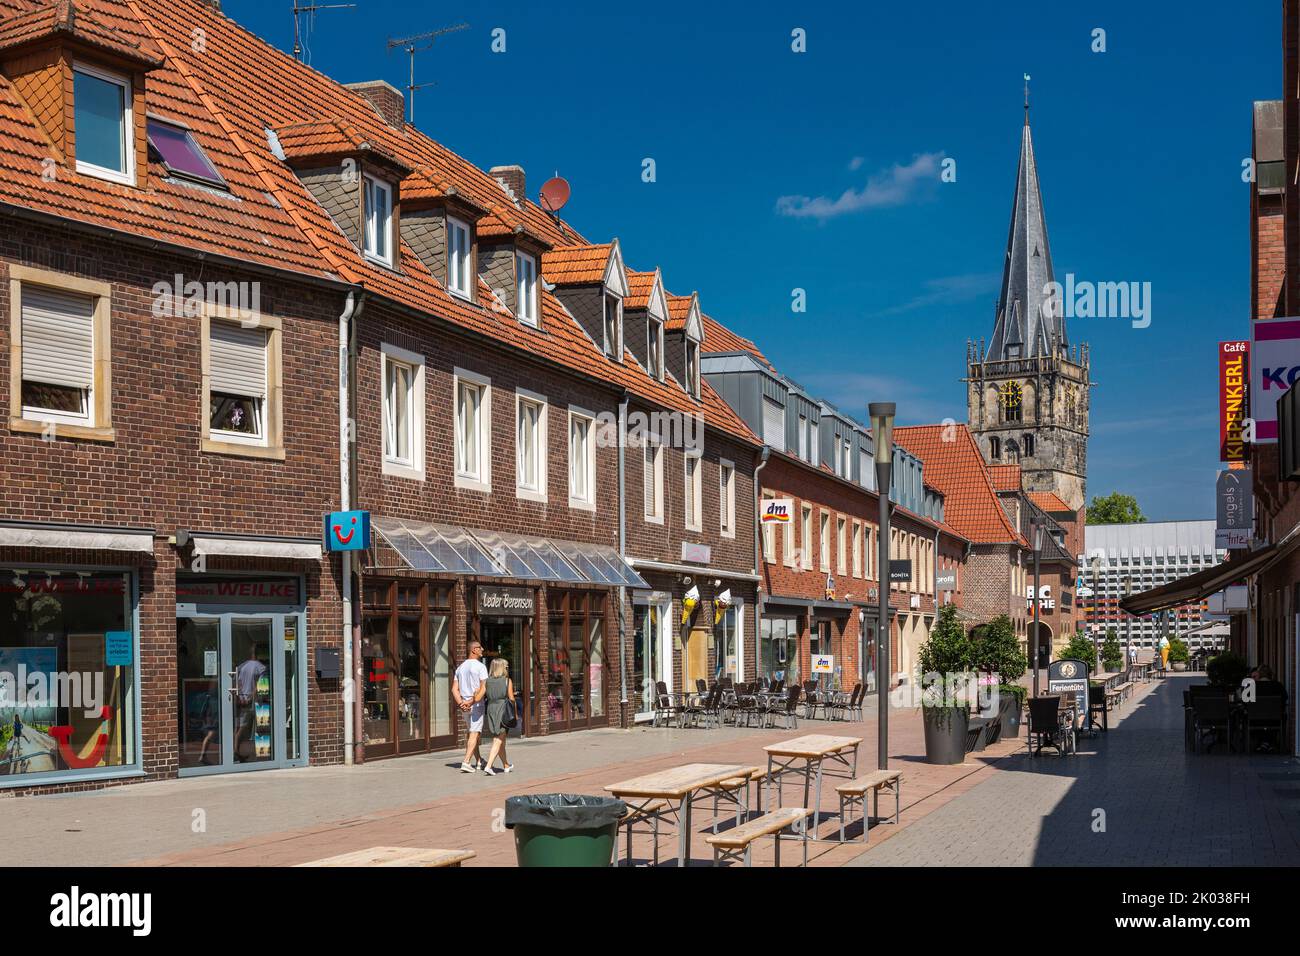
x=1274, y=367
x=1234, y=375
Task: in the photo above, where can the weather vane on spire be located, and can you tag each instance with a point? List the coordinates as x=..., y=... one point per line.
x=1027, y=78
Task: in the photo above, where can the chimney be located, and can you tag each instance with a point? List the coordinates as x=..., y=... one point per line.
x=511, y=177
x=387, y=100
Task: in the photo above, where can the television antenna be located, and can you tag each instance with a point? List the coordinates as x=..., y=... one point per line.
x=421, y=41
x=308, y=9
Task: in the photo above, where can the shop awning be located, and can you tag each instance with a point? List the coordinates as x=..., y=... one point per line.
x=453, y=550
x=695, y=570
x=1196, y=586
x=77, y=537
x=252, y=546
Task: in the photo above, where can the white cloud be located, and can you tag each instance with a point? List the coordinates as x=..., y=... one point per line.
x=856, y=163
x=948, y=290
x=895, y=186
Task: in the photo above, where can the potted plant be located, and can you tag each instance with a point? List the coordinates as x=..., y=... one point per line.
x=1112, y=655
x=1179, y=654
x=1227, y=670
x=1080, y=648
x=945, y=659
x=996, y=652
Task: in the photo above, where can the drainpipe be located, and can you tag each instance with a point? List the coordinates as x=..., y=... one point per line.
x=934, y=564
x=345, y=501
x=622, y=552
x=758, y=555
x=358, y=676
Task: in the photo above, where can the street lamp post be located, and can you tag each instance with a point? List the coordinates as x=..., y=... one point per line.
x=1038, y=550
x=882, y=430
x=1096, y=610
x=1128, y=623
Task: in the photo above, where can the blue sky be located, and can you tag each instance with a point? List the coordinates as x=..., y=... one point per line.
x=1139, y=151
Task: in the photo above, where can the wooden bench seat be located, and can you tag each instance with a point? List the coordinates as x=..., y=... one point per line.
x=729, y=844
x=854, y=793
x=396, y=856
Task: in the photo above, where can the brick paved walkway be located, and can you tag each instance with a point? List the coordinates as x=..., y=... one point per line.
x=1162, y=806
x=291, y=816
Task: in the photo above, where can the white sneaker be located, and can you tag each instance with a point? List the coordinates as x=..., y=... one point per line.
x=507, y=768
x=466, y=768
x=489, y=771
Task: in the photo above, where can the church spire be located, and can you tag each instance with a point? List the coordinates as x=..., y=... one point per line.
x=1025, y=325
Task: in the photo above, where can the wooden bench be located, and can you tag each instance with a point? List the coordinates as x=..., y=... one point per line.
x=650, y=813
x=396, y=856
x=1112, y=697
x=730, y=789
x=729, y=844
x=1125, y=689
x=854, y=793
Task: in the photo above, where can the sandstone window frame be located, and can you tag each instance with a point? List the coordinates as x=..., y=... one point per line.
x=270, y=445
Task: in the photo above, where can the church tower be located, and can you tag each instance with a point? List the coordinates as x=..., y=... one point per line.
x=1027, y=390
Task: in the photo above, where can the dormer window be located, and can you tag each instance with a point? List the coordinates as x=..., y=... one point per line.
x=655, y=348
x=174, y=146
x=693, y=368
x=613, y=327
x=378, y=235
x=460, y=257
x=526, y=293
x=102, y=114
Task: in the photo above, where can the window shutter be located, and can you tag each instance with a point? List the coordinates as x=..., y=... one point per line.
x=58, y=337
x=651, y=505
x=773, y=424
x=238, y=358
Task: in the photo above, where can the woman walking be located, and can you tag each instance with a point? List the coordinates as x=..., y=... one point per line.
x=500, y=698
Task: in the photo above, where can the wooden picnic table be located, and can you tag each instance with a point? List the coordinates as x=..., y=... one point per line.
x=396, y=856
x=812, y=749
x=678, y=786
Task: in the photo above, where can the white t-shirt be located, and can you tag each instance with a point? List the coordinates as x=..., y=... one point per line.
x=469, y=677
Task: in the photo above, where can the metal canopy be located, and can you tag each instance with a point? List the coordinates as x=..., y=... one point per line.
x=454, y=550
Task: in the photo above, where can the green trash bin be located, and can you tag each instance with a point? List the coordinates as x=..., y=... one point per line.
x=564, y=829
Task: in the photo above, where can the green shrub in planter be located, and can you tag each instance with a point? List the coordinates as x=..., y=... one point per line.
x=996, y=650
x=1179, y=653
x=1112, y=655
x=1080, y=648
x=945, y=654
x=1227, y=670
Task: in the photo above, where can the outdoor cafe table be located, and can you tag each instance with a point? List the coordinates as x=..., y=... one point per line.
x=813, y=749
x=678, y=786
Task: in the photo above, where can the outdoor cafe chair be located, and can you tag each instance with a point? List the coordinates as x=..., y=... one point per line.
x=1265, y=715
x=706, y=709
x=665, y=709
x=1045, y=725
x=786, y=710
x=1211, y=715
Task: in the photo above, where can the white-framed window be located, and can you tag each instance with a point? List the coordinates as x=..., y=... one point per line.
x=846, y=459
x=237, y=388
x=824, y=533
x=857, y=549
x=582, y=458
x=727, y=498
x=472, y=395
x=693, y=368
x=56, y=339
x=460, y=258
x=104, y=124
x=655, y=347
x=787, y=543
x=867, y=551
x=530, y=445
x=652, y=462
x=692, y=490
x=402, y=373
x=526, y=289
x=378, y=233
x=841, y=549
x=613, y=326
x=806, y=537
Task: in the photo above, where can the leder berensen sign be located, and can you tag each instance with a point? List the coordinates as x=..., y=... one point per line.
x=513, y=602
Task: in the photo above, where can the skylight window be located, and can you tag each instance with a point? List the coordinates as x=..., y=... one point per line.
x=180, y=155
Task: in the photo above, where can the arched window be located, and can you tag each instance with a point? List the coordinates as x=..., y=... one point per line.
x=995, y=449
x=1027, y=442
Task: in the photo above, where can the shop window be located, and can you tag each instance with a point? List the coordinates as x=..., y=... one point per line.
x=779, y=649
x=75, y=631
x=403, y=378
x=727, y=639
x=473, y=431
x=582, y=459
x=60, y=380
x=530, y=445
x=103, y=122
x=241, y=384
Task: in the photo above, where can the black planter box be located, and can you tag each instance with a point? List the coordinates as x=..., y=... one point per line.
x=946, y=729
x=1009, y=715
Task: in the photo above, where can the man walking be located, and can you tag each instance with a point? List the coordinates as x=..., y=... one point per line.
x=468, y=690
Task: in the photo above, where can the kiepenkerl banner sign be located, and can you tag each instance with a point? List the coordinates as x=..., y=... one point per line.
x=1274, y=367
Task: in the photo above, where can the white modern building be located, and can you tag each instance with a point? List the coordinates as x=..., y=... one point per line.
x=1140, y=557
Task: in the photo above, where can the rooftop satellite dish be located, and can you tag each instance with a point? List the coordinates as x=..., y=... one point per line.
x=555, y=193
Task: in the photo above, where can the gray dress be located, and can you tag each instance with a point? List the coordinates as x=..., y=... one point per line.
x=496, y=697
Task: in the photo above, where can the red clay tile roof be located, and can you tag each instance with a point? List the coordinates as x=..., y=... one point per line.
x=679, y=307
x=329, y=137
x=639, y=287
x=1005, y=477
x=1050, y=502
x=65, y=18
x=956, y=468
x=719, y=338
x=229, y=93
x=577, y=265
